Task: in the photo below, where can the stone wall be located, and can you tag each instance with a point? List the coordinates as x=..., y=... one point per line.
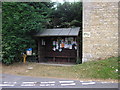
x=100, y=22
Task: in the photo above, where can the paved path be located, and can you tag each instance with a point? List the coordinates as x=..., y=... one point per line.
x=14, y=81
x=57, y=64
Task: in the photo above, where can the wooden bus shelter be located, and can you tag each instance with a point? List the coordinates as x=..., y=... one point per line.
x=59, y=45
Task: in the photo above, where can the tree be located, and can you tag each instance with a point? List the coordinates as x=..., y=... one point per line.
x=67, y=15
x=21, y=20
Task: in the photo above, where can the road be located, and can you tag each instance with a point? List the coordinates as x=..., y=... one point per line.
x=14, y=81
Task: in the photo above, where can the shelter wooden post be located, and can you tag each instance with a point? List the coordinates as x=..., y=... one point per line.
x=39, y=50
x=78, y=49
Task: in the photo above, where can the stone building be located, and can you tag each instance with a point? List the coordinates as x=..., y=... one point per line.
x=100, y=30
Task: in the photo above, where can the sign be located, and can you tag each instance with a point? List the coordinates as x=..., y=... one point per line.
x=86, y=34
x=43, y=42
x=29, y=51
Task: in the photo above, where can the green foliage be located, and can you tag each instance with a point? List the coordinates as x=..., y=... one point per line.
x=20, y=21
x=67, y=15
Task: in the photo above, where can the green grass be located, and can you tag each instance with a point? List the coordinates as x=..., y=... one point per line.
x=101, y=69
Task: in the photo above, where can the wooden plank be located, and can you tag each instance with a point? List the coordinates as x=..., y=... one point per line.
x=78, y=51
x=39, y=57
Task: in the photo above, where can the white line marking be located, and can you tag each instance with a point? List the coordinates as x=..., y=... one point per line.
x=81, y=81
x=28, y=84
x=52, y=84
x=68, y=84
x=48, y=82
x=66, y=81
x=8, y=84
x=88, y=83
x=42, y=84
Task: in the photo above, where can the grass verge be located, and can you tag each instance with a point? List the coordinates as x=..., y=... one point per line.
x=101, y=69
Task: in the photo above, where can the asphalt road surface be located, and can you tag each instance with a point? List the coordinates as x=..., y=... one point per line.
x=14, y=81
